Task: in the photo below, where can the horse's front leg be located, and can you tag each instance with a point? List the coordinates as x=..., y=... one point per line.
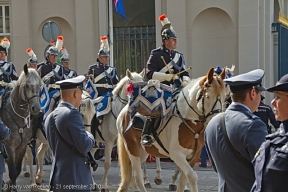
x=145, y=176
x=186, y=169
x=158, y=178
x=12, y=170
x=107, y=164
x=172, y=185
x=40, y=156
x=30, y=163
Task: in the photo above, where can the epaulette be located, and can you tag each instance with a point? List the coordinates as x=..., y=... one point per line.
x=178, y=52
x=251, y=115
x=39, y=64
x=155, y=50
x=91, y=65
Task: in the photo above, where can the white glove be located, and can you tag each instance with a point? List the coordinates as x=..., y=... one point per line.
x=12, y=84
x=184, y=83
x=164, y=77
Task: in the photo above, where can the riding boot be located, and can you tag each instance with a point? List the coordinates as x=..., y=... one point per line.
x=94, y=126
x=147, y=138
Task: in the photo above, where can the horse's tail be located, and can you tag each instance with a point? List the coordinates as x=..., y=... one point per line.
x=125, y=164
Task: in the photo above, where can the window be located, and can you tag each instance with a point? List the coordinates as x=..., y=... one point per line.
x=5, y=24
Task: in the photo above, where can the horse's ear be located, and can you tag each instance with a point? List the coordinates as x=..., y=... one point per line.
x=232, y=68
x=128, y=74
x=210, y=75
x=25, y=69
x=223, y=73
x=142, y=73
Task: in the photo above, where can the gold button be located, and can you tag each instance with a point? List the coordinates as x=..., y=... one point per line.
x=85, y=162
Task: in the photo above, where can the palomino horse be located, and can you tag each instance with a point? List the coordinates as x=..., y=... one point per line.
x=181, y=134
x=108, y=128
x=15, y=113
x=86, y=109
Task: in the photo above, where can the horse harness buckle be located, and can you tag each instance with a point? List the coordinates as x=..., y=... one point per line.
x=21, y=130
x=106, y=85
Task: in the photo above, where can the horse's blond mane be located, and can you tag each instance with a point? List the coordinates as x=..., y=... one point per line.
x=124, y=80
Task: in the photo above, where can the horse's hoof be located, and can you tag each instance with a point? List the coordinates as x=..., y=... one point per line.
x=27, y=174
x=186, y=190
x=39, y=181
x=147, y=185
x=157, y=181
x=104, y=190
x=34, y=188
x=172, y=187
x=96, y=188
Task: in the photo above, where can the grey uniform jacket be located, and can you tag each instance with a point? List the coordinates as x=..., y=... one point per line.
x=69, y=167
x=4, y=134
x=246, y=133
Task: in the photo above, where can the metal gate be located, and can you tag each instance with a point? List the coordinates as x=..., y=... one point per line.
x=132, y=47
x=282, y=31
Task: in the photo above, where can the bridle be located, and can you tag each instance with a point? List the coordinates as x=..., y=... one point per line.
x=23, y=107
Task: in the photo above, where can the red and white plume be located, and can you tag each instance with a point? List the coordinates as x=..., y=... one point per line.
x=31, y=54
x=65, y=54
x=5, y=43
x=104, y=44
x=164, y=20
x=59, y=43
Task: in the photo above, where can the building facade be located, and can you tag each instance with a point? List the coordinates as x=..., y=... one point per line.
x=210, y=32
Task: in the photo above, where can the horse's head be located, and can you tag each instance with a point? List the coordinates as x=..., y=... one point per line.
x=119, y=92
x=29, y=86
x=87, y=110
x=206, y=94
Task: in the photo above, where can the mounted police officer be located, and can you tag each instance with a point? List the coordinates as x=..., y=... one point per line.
x=103, y=76
x=265, y=113
x=232, y=138
x=166, y=65
x=69, y=142
x=271, y=160
x=50, y=72
x=68, y=73
x=32, y=61
x=8, y=75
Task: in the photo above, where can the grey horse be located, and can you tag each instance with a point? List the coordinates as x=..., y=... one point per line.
x=20, y=103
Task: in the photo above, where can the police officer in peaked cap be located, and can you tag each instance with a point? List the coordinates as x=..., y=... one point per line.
x=271, y=161
x=69, y=141
x=245, y=131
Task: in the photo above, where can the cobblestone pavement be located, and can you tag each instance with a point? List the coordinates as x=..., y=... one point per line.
x=207, y=178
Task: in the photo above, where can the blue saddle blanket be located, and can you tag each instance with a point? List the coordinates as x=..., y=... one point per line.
x=54, y=97
x=103, y=106
x=151, y=95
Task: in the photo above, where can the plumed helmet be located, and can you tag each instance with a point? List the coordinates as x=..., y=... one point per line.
x=65, y=55
x=55, y=49
x=32, y=57
x=4, y=45
x=104, y=48
x=167, y=30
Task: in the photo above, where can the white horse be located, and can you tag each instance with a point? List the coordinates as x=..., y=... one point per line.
x=182, y=134
x=108, y=126
x=87, y=109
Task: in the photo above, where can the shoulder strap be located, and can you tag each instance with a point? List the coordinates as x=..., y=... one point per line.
x=52, y=119
x=236, y=153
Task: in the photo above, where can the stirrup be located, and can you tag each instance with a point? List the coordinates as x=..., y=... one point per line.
x=150, y=140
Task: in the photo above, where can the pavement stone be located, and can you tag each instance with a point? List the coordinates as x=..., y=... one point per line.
x=207, y=178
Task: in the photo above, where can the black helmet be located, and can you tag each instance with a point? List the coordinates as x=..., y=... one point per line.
x=167, y=31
